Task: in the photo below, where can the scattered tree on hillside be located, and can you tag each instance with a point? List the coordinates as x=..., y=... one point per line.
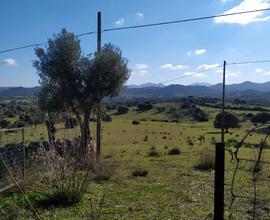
x=261, y=118
x=122, y=109
x=230, y=121
x=144, y=106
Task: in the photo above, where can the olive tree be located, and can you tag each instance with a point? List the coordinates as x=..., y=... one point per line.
x=77, y=83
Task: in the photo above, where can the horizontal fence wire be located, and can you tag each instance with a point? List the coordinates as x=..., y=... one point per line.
x=14, y=157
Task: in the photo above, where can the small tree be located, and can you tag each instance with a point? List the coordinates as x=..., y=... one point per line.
x=230, y=121
x=262, y=117
x=4, y=123
x=122, y=109
x=74, y=83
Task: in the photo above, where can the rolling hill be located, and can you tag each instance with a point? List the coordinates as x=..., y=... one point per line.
x=246, y=90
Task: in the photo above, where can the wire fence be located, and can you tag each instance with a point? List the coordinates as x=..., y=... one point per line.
x=12, y=156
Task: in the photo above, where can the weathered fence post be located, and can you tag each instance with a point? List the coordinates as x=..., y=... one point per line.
x=219, y=181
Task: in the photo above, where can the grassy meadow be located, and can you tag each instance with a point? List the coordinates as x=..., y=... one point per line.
x=173, y=187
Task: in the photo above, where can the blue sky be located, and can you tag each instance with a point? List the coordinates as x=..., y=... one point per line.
x=155, y=54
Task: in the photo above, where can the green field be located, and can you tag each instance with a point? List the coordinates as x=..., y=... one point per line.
x=173, y=188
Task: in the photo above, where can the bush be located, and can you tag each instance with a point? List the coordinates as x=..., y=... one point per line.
x=122, y=109
x=174, y=151
x=63, y=179
x=4, y=123
x=144, y=106
x=20, y=124
x=106, y=118
x=153, y=153
x=141, y=173
x=135, y=122
x=206, y=161
x=261, y=118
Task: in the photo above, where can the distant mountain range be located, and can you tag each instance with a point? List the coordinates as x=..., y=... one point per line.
x=145, y=85
x=246, y=90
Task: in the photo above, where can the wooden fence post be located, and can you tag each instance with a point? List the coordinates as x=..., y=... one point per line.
x=219, y=181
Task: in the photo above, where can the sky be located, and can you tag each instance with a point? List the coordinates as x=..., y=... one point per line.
x=155, y=54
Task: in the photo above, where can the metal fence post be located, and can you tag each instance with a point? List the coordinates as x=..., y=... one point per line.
x=219, y=181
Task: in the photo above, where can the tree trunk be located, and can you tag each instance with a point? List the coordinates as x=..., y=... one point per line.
x=50, y=130
x=85, y=133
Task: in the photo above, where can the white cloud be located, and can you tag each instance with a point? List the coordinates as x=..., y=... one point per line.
x=243, y=19
x=207, y=66
x=263, y=72
x=141, y=69
x=139, y=14
x=202, y=67
x=120, y=22
x=196, y=52
x=9, y=62
x=142, y=66
x=266, y=73
x=224, y=1
x=200, y=51
x=170, y=66
x=259, y=71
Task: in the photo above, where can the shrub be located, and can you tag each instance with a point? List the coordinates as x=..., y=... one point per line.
x=174, y=151
x=161, y=109
x=262, y=117
x=122, y=109
x=145, y=138
x=153, y=153
x=107, y=118
x=141, y=173
x=64, y=179
x=135, y=122
x=206, y=161
x=4, y=123
x=144, y=106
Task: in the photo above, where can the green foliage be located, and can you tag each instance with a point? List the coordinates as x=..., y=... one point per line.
x=122, y=109
x=141, y=173
x=262, y=117
x=76, y=83
x=230, y=121
x=174, y=151
x=135, y=122
x=4, y=123
x=107, y=73
x=153, y=153
x=144, y=106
